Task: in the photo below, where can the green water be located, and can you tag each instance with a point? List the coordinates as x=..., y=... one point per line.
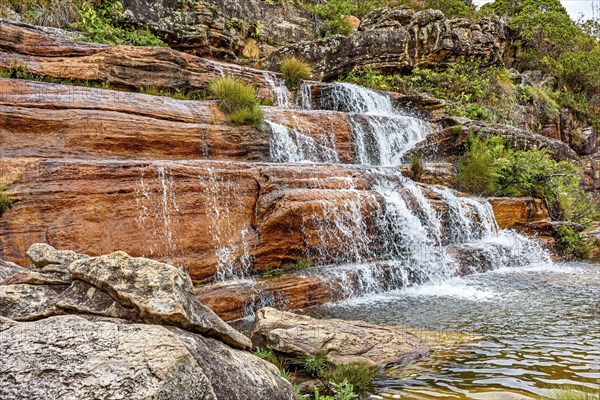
x=539, y=329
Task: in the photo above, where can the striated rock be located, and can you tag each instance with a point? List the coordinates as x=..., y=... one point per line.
x=344, y=342
x=236, y=374
x=78, y=358
x=160, y=293
x=56, y=55
x=435, y=173
x=399, y=38
x=218, y=28
x=83, y=298
x=511, y=211
x=8, y=268
x=95, y=123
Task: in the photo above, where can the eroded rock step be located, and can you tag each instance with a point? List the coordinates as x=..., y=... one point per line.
x=215, y=218
x=50, y=52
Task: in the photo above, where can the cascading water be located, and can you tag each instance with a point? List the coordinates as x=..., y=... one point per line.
x=232, y=245
x=279, y=90
x=156, y=207
x=381, y=136
x=291, y=145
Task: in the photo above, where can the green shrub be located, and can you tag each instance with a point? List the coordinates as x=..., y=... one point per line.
x=269, y=355
x=246, y=116
x=359, y=376
x=571, y=242
x=491, y=168
x=100, y=21
x=317, y=364
x=233, y=95
x=477, y=168
x=450, y=8
x=294, y=71
x=5, y=202
x=416, y=167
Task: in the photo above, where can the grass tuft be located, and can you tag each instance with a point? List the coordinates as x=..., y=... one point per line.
x=295, y=70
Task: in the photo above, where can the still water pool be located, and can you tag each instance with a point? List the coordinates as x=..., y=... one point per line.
x=539, y=328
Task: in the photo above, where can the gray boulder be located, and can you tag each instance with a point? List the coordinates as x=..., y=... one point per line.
x=70, y=357
x=399, y=38
x=160, y=293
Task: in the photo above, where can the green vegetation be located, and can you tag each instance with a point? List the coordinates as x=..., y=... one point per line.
x=294, y=71
x=238, y=100
x=342, y=382
x=302, y=265
x=416, y=167
x=571, y=242
x=572, y=393
x=100, y=20
x=491, y=168
x=5, y=202
x=358, y=376
x=332, y=12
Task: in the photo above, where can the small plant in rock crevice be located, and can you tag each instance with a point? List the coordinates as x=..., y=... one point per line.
x=238, y=100
x=5, y=202
x=294, y=71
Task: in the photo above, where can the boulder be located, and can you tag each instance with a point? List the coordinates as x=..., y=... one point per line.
x=8, y=268
x=399, y=38
x=218, y=28
x=344, y=342
x=43, y=255
x=70, y=357
x=160, y=293
x=512, y=211
x=22, y=302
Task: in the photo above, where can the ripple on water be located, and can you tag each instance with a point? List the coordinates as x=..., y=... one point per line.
x=540, y=326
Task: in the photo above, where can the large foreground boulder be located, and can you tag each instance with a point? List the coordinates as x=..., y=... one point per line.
x=140, y=334
x=344, y=342
x=71, y=357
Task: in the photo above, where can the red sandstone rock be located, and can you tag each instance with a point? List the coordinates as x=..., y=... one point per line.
x=55, y=55
x=510, y=211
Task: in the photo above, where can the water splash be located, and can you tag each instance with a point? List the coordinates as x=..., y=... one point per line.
x=291, y=145
x=279, y=90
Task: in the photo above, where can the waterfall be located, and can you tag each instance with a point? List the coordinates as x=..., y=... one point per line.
x=381, y=136
x=408, y=247
x=279, y=90
x=291, y=145
x=156, y=206
x=232, y=244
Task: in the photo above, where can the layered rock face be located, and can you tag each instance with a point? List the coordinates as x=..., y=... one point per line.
x=53, y=53
x=399, y=38
x=222, y=28
x=140, y=333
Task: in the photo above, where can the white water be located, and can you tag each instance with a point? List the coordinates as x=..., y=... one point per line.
x=381, y=136
x=279, y=90
x=293, y=146
x=232, y=245
x=157, y=205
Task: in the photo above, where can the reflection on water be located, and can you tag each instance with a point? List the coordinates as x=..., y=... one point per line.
x=541, y=330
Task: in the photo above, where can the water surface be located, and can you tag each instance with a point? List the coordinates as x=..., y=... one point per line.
x=539, y=329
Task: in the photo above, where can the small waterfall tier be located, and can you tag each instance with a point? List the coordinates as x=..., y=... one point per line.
x=380, y=135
